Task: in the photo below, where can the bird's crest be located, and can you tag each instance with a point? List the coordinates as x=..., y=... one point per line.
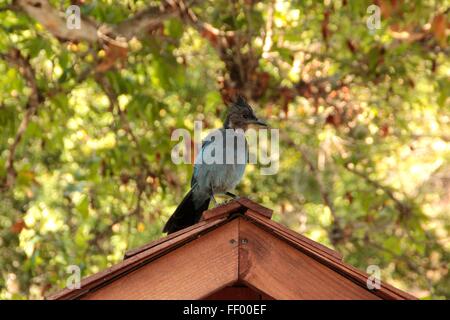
x=239, y=103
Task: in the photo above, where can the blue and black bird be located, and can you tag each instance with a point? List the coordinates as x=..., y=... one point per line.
x=212, y=177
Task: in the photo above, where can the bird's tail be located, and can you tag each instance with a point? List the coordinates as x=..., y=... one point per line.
x=186, y=214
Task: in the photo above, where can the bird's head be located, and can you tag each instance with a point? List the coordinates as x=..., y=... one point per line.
x=241, y=115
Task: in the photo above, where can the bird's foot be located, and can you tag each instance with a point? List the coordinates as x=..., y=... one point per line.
x=232, y=198
x=219, y=204
x=226, y=201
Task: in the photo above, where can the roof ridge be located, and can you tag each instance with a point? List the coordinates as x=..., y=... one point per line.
x=236, y=205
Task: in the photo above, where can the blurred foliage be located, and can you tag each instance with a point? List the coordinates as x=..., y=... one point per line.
x=363, y=114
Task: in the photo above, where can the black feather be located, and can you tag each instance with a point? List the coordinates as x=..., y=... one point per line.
x=186, y=214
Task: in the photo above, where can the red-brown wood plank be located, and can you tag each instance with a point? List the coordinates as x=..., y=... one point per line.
x=294, y=237
x=385, y=292
x=190, y=272
x=135, y=261
x=222, y=210
x=272, y=266
x=256, y=207
x=194, y=228
x=149, y=263
x=235, y=293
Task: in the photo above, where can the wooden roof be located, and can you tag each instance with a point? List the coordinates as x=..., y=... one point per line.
x=234, y=244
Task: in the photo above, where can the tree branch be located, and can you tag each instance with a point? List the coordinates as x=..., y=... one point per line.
x=216, y=37
x=115, y=38
x=92, y=31
x=403, y=208
x=336, y=233
x=113, y=100
x=56, y=23
x=16, y=59
x=144, y=20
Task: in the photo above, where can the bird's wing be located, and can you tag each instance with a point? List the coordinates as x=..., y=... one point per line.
x=207, y=141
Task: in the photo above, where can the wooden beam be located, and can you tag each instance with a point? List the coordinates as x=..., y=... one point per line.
x=326, y=256
x=256, y=207
x=135, y=261
x=271, y=265
x=222, y=211
x=192, y=271
x=191, y=231
x=294, y=238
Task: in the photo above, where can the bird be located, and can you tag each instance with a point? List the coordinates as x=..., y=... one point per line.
x=211, y=178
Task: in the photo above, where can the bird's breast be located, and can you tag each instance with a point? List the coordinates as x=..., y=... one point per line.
x=222, y=163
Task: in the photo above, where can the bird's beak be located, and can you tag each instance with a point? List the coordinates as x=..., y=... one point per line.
x=260, y=122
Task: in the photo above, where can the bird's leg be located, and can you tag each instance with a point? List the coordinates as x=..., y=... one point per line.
x=212, y=197
x=232, y=197
x=214, y=200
